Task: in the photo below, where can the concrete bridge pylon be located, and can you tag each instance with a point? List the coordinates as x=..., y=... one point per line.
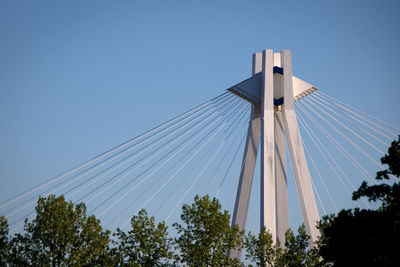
x=272, y=91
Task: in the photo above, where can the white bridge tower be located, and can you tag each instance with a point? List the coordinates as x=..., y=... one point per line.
x=272, y=90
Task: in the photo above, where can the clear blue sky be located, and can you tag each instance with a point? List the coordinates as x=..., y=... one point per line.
x=78, y=77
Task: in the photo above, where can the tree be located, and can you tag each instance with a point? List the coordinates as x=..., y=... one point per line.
x=367, y=237
x=296, y=252
x=4, y=241
x=145, y=244
x=61, y=234
x=388, y=194
x=206, y=236
x=261, y=249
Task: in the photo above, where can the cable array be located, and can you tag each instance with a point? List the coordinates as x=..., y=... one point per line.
x=198, y=152
x=118, y=183
x=346, y=142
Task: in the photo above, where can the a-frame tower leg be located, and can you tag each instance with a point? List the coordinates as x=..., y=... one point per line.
x=281, y=200
x=282, y=210
x=297, y=156
x=248, y=164
x=267, y=178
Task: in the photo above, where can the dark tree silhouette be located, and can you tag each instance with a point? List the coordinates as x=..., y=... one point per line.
x=367, y=237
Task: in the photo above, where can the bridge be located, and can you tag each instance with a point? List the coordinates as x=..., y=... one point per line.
x=216, y=148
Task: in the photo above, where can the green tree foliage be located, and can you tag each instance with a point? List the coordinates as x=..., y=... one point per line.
x=145, y=244
x=261, y=249
x=296, y=252
x=4, y=241
x=61, y=235
x=206, y=236
x=367, y=237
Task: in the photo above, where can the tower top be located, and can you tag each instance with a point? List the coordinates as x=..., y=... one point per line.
x=250, y=89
